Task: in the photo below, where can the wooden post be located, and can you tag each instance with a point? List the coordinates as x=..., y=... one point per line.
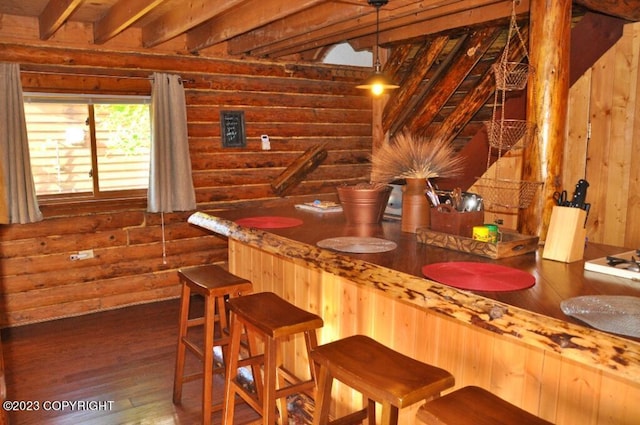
x=548, y=93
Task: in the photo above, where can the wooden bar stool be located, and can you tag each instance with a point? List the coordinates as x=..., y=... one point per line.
x=214, y=284
x=266, y=317
x=379, y=373
x=475, y=406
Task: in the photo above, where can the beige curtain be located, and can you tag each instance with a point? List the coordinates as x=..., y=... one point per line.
x=19, y=203
x=170, y=180
x=4, y=201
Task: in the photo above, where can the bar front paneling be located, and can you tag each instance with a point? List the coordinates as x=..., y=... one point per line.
x=562, y=372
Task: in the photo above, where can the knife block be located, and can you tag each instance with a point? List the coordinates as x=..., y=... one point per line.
x=566, y=235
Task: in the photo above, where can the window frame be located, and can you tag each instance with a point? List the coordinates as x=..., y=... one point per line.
x=119, y=197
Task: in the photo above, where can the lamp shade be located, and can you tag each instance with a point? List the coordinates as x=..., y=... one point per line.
x=378, y=82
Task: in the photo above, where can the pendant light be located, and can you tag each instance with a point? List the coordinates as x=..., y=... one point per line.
x=378, y=82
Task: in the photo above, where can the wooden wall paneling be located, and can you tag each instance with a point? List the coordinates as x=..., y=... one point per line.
x=583, y=387
x=625, y=63
x=613, y=117
x=538, y=380
x=575, y=151
x=632, y=234
x=598, y=153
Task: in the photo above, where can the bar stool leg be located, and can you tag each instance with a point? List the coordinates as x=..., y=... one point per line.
x=182, y=332
x=269, y=400
x=207, y=378
x=228, y=409
x=389, y=414
x=323, y=397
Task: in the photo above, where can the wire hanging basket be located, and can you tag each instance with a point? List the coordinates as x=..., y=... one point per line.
x=507, y=193
x=511, y=76
x=505, y=134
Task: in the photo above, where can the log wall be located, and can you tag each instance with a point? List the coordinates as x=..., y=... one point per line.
x=298, y=106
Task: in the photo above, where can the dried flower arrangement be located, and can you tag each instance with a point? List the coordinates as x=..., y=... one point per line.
x=409, y=156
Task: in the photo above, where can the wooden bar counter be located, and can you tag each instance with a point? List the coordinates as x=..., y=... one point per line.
x=529, y=353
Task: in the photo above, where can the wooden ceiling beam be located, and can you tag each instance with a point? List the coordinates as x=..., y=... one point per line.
x=54, y=15
x=242, y=18
x=483, y=12
x=398, y=25
x=120, y=17
x=478, y=96
x=353, y=27
x=625, y=9
x=426, y=84
x=180, y=20
x=313, y=19
x=400, y=99
x=467, y=57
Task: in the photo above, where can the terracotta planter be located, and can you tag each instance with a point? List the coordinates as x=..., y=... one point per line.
x=416, y=211
x=362, y=205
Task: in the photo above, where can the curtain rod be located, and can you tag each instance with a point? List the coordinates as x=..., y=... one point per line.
x=129, y=77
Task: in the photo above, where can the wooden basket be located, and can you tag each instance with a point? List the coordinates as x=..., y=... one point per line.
x=445, y=219
x=510, y=245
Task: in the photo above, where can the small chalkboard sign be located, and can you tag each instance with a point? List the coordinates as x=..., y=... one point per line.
x=232, y=129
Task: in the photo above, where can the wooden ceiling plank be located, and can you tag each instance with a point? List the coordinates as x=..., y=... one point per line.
x=181, y=20
x=396, y=60
x=478, y=96
x=482, y=12
x=341, y=22
x=399, y=101
x=361, y=33
x=120, y=16
x=626, y=9
x=472, y=51
x=443, y=65
x=312, y=19
x=343, y=30
x=54, y=15
x=242, y=18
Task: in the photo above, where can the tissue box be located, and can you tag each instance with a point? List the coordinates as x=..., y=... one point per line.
x=446, y=219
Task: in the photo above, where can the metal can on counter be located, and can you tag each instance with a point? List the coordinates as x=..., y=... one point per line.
x=485, y=233
x=493, y=232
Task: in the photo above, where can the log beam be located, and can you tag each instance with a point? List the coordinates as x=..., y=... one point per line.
x=474, y=47
x=548, y=94
x=400, y=101
x=303, y=165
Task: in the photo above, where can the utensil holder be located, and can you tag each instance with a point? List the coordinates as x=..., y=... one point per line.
x=445, y=219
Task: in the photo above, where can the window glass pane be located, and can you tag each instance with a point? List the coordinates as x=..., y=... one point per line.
x=123, y=135
x=60, y=130
x=60, y=147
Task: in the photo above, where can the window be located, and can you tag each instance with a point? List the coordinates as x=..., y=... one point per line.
x=95, y=147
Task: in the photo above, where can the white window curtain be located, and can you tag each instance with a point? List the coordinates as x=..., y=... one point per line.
x=170, y=181
x=19, y=203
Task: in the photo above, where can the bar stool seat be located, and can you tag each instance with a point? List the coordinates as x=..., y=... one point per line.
x=379, y=373
x=267, y=317
x=475, y=406
x=215, y=284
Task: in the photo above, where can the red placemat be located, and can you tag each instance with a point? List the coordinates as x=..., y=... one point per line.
x=269, y=222
x=479, y=276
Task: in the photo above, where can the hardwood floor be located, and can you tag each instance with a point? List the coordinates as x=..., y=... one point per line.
x=124, y=358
